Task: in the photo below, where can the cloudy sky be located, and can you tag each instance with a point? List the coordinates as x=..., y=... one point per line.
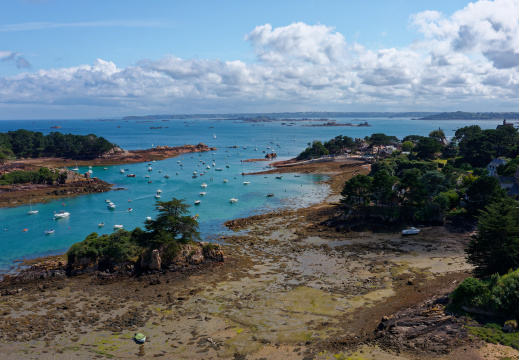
x=97, y=58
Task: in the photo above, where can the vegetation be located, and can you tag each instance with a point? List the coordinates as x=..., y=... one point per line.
x=42, y=176
x=494, y=334
x=30, y=144
x=172, y=227
x=496, y=294
x=495, y=248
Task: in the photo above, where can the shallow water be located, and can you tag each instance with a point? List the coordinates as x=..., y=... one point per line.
x=251, y=140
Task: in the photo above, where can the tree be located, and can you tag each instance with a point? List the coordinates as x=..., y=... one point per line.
x=427, y=147
x=383, y=186
x=495, y=247
x=481, y=192
x=172, y=226
x=358, y=190
x=407, y=145
x=413, y=190
x=437, y=134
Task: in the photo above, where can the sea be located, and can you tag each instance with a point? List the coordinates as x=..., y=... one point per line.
x=22, y=236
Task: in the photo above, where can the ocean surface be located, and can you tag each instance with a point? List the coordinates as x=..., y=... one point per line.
x=251, y=139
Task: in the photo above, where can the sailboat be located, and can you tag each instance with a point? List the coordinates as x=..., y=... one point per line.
x=32, y=212
x=214, y=136
x=76, y=168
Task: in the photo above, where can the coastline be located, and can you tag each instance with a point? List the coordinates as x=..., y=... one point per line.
x=291, y=288
x=20, y=194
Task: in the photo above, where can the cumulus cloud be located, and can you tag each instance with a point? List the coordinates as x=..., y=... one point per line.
x=14, y=58
x=466, y=59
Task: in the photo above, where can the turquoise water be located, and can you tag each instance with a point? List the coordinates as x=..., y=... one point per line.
x=90, y=210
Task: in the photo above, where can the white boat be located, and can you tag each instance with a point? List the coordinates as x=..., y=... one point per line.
x=246, y=182
x=107, y=201
x=90, y=167
x=233, y=200
x=157, y=196
x=76, y=168
x=111, y=206
x=204, y=185
x=202, y=193
x=148, y=217
x=207, y=167
x=61, y=214
x=101, y=224
x=197, y=202
x=47, y=232
x=31, y=212
x=225, y=180
x=105, y=168
x=214, y=136
x=218, y=169
x=159, y=191
x=118, y=226
x=121, y=171
x=410, y=231
x=149, y=169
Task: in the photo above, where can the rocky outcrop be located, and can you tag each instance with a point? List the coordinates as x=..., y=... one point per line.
x=271, y=156
x=426, y=328
x=152, y=261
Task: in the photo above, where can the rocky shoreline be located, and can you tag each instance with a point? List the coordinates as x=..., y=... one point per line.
x=291, y=287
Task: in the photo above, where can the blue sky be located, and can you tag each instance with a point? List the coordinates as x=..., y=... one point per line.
x=82, y=59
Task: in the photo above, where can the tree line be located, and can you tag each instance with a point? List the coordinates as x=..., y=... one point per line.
x=30, y=144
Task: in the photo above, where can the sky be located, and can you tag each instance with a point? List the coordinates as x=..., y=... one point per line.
x=68, y=59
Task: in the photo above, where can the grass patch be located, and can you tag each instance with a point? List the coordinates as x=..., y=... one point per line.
x=494, y=334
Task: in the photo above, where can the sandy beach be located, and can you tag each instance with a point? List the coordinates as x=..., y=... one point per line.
x=290, y=288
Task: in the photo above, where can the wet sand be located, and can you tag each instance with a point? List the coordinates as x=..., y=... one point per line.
x=291, y=288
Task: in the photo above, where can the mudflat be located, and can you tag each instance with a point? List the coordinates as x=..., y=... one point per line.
x=290, y=288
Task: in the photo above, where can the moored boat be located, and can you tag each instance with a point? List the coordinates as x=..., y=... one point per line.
x=62, y=214
x=410, y=231
x=233, y=200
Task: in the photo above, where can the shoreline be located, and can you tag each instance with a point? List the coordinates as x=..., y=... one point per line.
x=291, y=288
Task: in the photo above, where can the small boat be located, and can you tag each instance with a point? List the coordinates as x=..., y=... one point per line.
x=159, y=191
x=149, y=169
x=197, y=202
x=105, y=168
x=410, y=231
x=89, y=171
x=25, y=230
x=62, y=214
x=129, y=200
x=147, y=176
x=90, y=166
x=129, y=209
x=218, y=169
x=279, y=177
x=111, y=206
x=246, y=182
x=202, y=193
x=118, y=226
x=225, y=180
x=204, y=185
x=101, y=224
x=207, y=167
x=227, y=166
x=233, y=200
x=130, y=175
x=297, y=175
x=47, y=232
x=108, y=201
x=121, y=171
x=214, y=136
x=157, y=196
x=160, y=171
x=167, y=176
x=148, y=217
x=149, y=182
x=176, y=173
x=270, y=194
x=31, y=212
x=76, y=168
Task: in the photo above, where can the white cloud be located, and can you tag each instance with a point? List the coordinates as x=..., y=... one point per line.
x=16, y=59
x=466, y=60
